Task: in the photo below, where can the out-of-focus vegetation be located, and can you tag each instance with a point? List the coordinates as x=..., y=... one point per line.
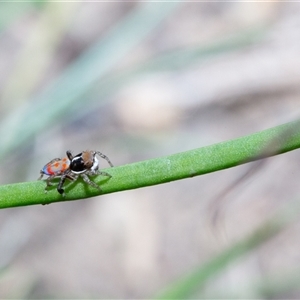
x=140, y=81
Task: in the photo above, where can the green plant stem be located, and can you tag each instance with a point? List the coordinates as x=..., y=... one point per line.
x=187, y=164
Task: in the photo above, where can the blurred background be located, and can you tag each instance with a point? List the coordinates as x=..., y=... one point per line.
x=138, y=81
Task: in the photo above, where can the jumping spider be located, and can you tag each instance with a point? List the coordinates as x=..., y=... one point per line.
x=83, y=164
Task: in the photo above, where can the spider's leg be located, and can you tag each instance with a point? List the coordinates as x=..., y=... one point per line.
x=98, y=172
x=48, y=182
x=104, y=174
x=69, y=154
x=90, y=182
x=105, y=157
x=62, y=181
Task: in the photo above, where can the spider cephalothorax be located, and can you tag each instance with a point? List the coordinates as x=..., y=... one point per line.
x=84, y=161
x=83, y=164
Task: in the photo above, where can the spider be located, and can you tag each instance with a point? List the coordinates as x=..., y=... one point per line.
x=83, y=164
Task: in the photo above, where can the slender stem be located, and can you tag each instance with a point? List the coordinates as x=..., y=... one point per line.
x=187, y=164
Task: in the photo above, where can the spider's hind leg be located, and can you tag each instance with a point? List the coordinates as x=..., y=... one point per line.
x=48, y=182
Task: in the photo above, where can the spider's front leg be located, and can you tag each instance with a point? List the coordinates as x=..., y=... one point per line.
x=69, y=154
x=105, y=157
x=62, y=181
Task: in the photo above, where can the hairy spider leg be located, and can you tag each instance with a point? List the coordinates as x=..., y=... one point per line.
x=69, y=154
x=87, y=180
x=63, y=178
x=105, y=157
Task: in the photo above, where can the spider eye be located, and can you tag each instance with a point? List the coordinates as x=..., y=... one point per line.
x=77, y=164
